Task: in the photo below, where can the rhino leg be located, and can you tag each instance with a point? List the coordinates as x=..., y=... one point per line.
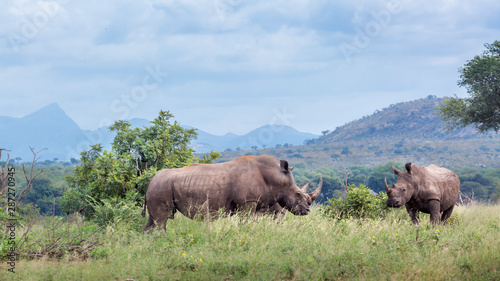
x=159, y=213
x=282, y=215
x=434, y=210
x=150, y=224
x=447, y=213
x=249, y=208
x=413, y=214
x=279, y=212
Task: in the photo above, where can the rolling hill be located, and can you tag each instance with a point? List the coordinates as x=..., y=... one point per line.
x=403, y=132
x=409, y=120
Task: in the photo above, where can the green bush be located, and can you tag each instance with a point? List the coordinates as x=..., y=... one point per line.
x=115, y=210
x=358, y=203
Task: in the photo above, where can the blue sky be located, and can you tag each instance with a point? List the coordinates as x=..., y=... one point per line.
x=234, y=65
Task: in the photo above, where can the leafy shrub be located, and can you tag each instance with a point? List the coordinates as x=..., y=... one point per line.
x=115, y=210
x=358, y=203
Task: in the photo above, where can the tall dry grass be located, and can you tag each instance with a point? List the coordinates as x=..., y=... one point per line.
x=299, y=248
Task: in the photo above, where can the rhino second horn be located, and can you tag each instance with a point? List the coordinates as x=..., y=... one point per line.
x=396, y=171
x=304, y=188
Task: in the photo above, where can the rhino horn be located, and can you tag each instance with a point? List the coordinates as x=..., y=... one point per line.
x=304, y=188
x=396, y=171
x=316, y=193
x=387, y=188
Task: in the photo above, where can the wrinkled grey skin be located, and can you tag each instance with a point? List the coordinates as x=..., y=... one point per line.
x=249, y=183
x=432, y=190
x=280, y=213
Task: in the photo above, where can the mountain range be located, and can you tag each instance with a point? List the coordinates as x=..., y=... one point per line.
x=51, y=128
x=404, y=132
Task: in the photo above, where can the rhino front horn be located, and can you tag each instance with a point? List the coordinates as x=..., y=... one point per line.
x=387, y=188
x=316, y=192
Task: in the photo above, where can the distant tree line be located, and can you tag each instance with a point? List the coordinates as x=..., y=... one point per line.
x=483, y=184
x=255, y=147
x=480, y=183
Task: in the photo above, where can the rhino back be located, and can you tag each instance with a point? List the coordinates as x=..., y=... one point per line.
x=442, y=184
x=224, y=185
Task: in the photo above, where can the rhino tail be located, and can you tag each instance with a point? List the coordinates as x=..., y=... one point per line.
x=144, y=210
x=145, y=202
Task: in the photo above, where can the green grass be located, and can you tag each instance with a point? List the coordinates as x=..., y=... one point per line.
x=300, y=248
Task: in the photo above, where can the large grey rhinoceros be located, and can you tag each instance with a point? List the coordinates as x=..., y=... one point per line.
x=432, y=190
x=248, y=183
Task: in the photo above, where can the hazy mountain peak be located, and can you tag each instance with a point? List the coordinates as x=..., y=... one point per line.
x=51, y=110
x=52, y=117
x=231, y=135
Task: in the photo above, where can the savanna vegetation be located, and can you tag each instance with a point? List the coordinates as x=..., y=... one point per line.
x=356, y=237
x=49, y=188
x=313, y=247
x=82, y=220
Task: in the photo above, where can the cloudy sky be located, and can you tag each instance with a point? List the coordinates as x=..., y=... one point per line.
x=234, y=65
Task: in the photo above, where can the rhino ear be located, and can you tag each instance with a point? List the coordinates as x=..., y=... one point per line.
x=284, y=165
x=408, y=168
x=291, y=168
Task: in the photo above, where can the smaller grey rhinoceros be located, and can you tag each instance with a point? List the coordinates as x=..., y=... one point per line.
x=432, y=190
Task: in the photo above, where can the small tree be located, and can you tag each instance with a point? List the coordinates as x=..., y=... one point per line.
x=124, y=172
x=358, y=203
x=481, y=77
x=163, y=144
x=345, y=150
x=496, y=194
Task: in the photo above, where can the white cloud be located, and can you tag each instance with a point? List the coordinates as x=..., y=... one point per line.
x=230, y=62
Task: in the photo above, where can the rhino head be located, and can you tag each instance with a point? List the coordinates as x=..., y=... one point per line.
x=293, y=198
x=313, y=195
x=402, y=191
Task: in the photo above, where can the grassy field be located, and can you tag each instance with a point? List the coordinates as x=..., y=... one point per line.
x=299, y=248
